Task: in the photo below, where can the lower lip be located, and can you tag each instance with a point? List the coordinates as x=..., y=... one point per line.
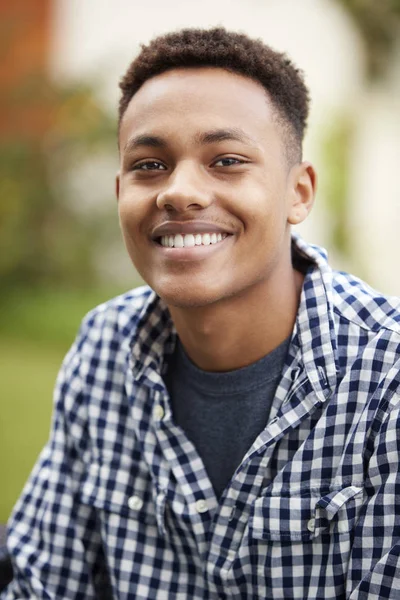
x=193, y=252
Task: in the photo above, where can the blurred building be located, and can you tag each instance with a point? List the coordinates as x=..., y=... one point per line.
x=26, y=35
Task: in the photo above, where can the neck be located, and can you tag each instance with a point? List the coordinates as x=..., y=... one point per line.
x=238, y=331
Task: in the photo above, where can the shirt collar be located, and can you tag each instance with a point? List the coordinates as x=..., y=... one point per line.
x=315, y=320
x=153, y=340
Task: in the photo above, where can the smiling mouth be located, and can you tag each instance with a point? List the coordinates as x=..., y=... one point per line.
x=189, y=240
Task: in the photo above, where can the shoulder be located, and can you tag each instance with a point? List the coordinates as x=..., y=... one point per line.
x=99, y=357
x=358, y=303
x=361, y=324
x=119, y=315
x=351, y=298
x=367, y=336
x=109, y=328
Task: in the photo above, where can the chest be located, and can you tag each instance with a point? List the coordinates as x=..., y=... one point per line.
x=294, y=500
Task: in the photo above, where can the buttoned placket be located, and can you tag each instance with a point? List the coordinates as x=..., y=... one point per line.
x=140, y=390
x=201, y=504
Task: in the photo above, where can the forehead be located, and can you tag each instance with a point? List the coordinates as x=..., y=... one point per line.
x=200, y=98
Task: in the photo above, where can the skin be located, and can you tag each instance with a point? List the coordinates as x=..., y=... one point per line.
x=236, y=303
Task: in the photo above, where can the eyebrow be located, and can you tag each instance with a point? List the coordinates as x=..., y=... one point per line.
x=213, y=136
x=221, y=135
x=145, y=140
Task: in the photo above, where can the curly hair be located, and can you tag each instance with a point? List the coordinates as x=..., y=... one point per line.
x=234, y=52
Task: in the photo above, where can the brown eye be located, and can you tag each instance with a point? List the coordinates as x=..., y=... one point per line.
x=228, y=161
x=150, y=165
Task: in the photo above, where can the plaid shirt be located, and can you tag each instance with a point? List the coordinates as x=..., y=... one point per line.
x=119, y=503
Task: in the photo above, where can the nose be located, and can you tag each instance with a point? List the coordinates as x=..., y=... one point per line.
x=184, y=190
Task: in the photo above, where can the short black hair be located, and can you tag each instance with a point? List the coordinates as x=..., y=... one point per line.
x=237, y=53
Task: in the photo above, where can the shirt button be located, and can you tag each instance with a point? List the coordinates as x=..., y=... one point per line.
x=201, y=506
x=158, y=412
x=135, y=503
x=311, y=525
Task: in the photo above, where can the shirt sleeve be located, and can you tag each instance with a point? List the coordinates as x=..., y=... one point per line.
x=374, y=568
x=53, y=540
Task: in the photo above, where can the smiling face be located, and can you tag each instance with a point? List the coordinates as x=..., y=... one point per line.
x=205, y=193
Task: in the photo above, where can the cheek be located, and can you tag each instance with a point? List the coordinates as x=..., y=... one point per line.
x=126, y=228
x=264, y=218
x=129, y=213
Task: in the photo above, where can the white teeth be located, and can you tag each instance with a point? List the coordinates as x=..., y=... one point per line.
x=189, y=240
x=178, y=241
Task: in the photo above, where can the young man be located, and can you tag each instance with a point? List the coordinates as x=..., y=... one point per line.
x=229, y=431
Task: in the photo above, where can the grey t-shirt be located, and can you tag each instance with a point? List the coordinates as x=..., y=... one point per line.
x=223, y=413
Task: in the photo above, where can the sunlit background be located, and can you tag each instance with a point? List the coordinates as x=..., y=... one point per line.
x=60, y=247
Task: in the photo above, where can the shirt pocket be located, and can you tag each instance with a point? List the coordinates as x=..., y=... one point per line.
x=291, y=518
x=119, y=491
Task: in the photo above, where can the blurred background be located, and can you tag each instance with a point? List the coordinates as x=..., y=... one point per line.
x=60, y=248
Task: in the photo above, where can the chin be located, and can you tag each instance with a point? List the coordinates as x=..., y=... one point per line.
x=189, y=297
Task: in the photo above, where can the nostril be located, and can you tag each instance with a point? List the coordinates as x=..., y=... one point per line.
x=172, y=208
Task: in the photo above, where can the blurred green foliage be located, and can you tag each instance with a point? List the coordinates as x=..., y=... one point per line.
x=378, y=22
x=28, y=371
x=47, y=269
x=54, y=128
x=336, y=149
x=49, y=316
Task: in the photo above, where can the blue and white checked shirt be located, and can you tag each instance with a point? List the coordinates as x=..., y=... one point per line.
x=120, y=494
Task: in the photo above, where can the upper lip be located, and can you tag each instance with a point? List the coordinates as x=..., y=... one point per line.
x=173, y=227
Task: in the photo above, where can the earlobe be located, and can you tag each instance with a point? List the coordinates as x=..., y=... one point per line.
x=302, y=193
x=117, y=186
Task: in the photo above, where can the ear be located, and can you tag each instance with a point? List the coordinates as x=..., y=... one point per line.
x=303, y=182
x=117, y=186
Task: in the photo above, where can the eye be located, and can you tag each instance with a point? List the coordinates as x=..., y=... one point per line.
x=149, y=165
x=228, y=161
